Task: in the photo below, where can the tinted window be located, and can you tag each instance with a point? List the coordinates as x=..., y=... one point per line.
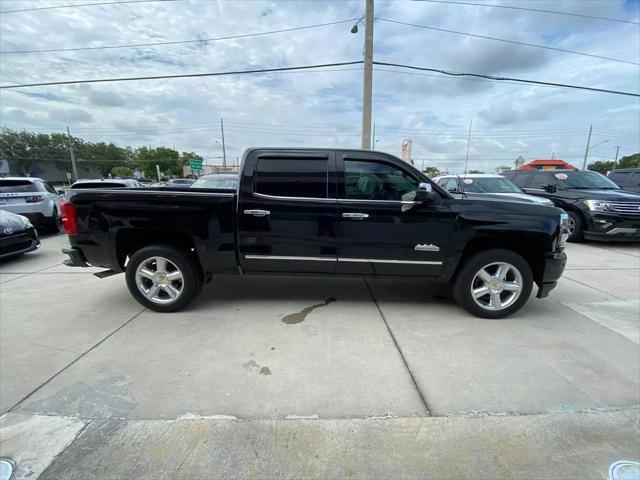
x=49, y=188
x=376, y=181
x=98, y=185
x=541, y=179
x=621, y=178
x=521, y=179
x=292, y=177
x=18, y=186
x=584, y=179
x=635, y=180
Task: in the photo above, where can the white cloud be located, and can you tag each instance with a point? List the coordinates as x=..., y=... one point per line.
x=323, y=108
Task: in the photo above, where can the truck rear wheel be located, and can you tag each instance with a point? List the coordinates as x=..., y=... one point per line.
x=493, y=284
x=163, y=278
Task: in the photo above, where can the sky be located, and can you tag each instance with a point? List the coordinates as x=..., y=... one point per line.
x=323, y=108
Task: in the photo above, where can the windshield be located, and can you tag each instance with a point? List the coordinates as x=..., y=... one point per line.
x=584, y=180
x=224, y=182
x=489, y=185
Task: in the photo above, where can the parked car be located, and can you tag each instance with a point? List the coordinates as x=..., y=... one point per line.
x=627, y=179
x=179, y=183
x=486, y=185
x=598, y=209
x=34, y=198
x=223, y=181
x=319, y=212
x=17, y=235
x=106, y=183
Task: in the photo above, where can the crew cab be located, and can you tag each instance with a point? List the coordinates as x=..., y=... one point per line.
x=318, y=212
x=598, y=209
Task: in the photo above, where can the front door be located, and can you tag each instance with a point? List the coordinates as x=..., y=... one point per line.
x=378, y=232
x=287, y=213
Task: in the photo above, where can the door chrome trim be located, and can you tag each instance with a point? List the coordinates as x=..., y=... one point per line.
x=355, y=215
x=382, y=260
x=257, y=213
x=302, y=199
x=365, y=200
x=286, y=257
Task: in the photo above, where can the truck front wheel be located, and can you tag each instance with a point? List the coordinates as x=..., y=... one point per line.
x=493, y=284
x=162, y=278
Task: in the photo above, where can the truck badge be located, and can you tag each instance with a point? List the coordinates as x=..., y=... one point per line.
x=423, y=247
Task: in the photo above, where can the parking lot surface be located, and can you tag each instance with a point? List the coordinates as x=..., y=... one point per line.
x=270, y=377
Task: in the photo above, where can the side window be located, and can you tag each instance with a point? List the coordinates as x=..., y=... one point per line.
x=620, y=178
x=635, y=180
x=452, y=184
x=521, y=179
x=541, y=179
x=292, y=177
x=49, y=188
x=368, y=180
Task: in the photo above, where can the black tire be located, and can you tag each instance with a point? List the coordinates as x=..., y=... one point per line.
x=53, y=225
x=190, y=285
x=467, y=277
x=577, y=234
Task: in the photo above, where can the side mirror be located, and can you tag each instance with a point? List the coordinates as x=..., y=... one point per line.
x=425, y=193
x=549, y=188
x=61, y=192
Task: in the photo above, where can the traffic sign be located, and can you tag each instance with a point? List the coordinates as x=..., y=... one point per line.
x=195, y=164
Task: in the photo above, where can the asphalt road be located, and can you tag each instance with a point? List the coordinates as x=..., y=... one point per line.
x=269, y=377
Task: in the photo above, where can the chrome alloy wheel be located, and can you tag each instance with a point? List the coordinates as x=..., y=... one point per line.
x=160, y=280
x=571, y=225
x=496, y=286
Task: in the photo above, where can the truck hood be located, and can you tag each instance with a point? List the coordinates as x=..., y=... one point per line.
x=595, y=194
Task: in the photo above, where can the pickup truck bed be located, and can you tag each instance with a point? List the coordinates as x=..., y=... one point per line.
x=326, y=212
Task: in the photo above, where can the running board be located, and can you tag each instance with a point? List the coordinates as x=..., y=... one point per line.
x=105, y=273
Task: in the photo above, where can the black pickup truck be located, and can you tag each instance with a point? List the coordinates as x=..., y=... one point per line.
x=318, y=212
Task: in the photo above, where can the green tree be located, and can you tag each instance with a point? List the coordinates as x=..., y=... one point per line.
x=122, y=172
x=168, y=159
x=431, y=172
x=601, y=167
x=629, y=161
x=475, y=171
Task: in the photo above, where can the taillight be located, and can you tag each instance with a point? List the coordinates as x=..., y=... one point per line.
x=69, y=217
x=35, y=199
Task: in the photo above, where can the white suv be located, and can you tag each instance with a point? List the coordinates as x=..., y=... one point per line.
x=34, y=198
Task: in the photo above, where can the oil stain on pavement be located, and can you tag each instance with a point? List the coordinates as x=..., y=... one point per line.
x=251, y=365
x=299, y=317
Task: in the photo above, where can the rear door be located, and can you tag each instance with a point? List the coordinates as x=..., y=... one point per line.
x=378, y=232
x=287, y=212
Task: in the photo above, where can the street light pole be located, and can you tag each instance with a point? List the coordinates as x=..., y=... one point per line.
x=615, y=162
x=586, y=152
x=367, y=83
x=224, y=150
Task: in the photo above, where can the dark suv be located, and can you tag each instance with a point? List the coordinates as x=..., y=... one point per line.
x=598, y=209
x=627, y=179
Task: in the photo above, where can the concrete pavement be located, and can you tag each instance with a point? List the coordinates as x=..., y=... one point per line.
x=323, y=378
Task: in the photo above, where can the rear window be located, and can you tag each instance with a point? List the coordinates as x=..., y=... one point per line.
x=621, y=178
x=18, y=186
x=98, y=185
x=292, y=177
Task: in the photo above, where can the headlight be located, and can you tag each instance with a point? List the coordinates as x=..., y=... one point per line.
x=563, y=235
x=27, y=224
x=598, y=205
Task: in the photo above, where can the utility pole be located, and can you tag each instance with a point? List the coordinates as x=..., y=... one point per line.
x=368, y=76
x=615, y=162
x=586, y=152
x=466, y=162
x=224, y=150
x=373, y=138
x=73, y=158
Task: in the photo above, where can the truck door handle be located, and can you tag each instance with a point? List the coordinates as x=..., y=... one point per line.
x=355, y=216
x=257, y=213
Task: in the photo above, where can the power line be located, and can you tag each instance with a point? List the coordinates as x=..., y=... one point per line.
x=511, y=79
x=177, y=42
x=514, y=42
x=85, y=5
x=556, y=12
x=185, y=75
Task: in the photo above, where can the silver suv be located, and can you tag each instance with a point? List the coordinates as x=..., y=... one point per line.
x=34, y=198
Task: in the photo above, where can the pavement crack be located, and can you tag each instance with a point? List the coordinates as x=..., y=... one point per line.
x=595, y=288
x=79, y=357
x=395, y=342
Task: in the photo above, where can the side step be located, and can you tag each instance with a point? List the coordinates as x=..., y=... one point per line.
x=106, y=273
